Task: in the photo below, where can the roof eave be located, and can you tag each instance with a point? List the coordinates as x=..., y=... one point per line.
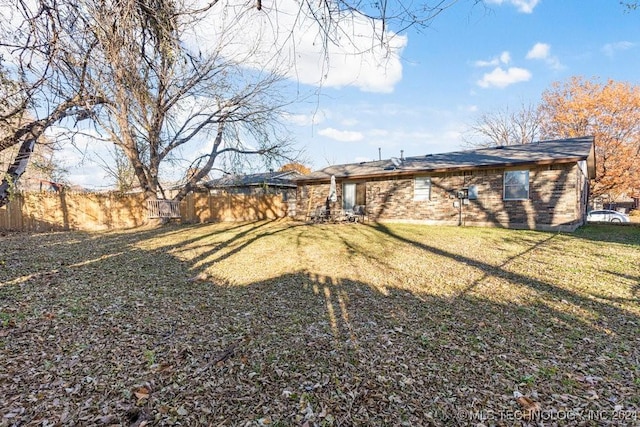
x=401, y=172
x=253, y=184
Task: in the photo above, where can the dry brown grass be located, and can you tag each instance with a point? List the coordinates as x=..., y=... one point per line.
x=282, y=323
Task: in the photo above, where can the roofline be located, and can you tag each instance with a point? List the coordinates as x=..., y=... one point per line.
x=253, y=184
x=401, y=172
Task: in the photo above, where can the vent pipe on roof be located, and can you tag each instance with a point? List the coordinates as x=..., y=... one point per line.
x=401, y=154
x=379, y=153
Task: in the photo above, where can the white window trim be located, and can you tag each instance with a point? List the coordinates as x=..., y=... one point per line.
x=417, y=197
x=504, y=185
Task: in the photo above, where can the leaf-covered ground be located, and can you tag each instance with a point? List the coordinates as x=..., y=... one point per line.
x=287, y=324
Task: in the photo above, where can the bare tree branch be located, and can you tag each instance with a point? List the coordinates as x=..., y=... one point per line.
x=127, y=66
x=504, y=127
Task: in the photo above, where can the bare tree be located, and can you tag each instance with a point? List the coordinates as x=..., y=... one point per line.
x=118, y=167
x=383, y=15
x=505, y=127
x=44, y=82
x=129, y=67
x=167, y=99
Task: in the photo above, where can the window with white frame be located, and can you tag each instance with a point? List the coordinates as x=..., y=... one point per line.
x=422, y=188
x=516, y=185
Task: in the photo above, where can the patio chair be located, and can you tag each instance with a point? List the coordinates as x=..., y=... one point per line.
x=360, y=211
x=318, y=215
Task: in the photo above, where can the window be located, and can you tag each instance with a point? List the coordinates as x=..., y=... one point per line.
x=516, y=185
x=473, y=192
x=348, y=195
x=422, y=188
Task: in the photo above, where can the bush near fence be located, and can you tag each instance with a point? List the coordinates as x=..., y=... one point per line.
x=37, y=212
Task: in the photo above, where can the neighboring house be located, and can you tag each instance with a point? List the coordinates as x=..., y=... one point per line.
x=624, y=203
x=542, y=185
x=257, y=183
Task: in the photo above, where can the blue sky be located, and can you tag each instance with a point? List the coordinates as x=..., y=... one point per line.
x=422, y=95
x=472, y=60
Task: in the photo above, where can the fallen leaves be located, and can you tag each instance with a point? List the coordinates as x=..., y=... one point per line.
x=529, y=407
x=141, y=393
x=107, y=329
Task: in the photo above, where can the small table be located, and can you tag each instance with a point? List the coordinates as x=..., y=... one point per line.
x=340, y=215
x=334, y=215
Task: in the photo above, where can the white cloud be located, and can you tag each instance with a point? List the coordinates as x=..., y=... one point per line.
x=523, y=6
x=492, y=63
x=502, y=78
x=542, y=51
x=305, y=119
x=469, y=108
x=539, y=51
x=503, y=58
x=281, y=37
x=610, y=49
x=341, y=135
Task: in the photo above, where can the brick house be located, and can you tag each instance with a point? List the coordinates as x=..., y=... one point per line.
x=543, y=185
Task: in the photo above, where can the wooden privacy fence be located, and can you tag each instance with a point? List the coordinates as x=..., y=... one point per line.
x=72, y=211
x=202, y=207
x=109, y=211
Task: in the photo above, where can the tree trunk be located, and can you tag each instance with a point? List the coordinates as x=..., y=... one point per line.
x=203, y=171
x=16, y=170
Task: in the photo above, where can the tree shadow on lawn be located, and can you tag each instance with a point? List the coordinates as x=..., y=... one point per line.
x=235, y=243
x=549, y=291
x=130, y=338
x=610, y=233
x=635, y=289
x=338, y=347
x=27, y=255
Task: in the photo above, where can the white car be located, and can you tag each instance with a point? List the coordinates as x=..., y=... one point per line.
x=604, y=215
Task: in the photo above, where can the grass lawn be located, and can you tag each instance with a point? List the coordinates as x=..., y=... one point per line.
x=287, y=324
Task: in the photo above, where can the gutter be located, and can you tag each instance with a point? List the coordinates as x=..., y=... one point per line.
x=410, y=172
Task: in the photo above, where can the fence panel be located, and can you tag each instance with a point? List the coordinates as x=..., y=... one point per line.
x=67, y=211
x=37, y=212
x=11, y=217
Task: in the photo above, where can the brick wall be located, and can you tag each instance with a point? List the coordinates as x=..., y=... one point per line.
x=312, y=196
x=556, y=199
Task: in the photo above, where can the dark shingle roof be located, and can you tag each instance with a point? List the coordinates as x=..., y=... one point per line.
x=272, y=179
x=542, y=152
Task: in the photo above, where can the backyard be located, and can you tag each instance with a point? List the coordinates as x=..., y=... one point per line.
x=287, y=324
